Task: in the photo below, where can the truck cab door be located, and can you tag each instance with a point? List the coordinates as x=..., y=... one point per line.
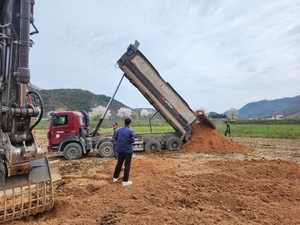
x=59, y=129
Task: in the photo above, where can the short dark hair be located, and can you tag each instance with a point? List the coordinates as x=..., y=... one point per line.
x=127, y=121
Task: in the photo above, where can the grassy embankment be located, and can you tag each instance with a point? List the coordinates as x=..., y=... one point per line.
x=239, y=128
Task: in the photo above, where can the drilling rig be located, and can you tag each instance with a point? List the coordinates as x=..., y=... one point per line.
x=25, y=179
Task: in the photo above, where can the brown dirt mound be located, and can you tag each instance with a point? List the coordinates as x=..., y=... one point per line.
x=207, y=140
x=176, y=188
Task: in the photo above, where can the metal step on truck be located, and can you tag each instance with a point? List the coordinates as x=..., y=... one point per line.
x=69, y=130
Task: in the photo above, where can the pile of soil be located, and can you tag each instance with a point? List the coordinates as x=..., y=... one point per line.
x=207, y=140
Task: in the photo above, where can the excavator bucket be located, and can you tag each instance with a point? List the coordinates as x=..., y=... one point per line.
x=204, y=119
x=26, y=194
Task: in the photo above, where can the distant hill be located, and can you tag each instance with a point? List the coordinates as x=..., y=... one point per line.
x=75, y=99
x=288, y=107
x=291, y=111
x=78, y=99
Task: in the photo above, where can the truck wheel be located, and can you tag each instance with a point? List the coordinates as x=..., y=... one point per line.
x=73, y=151
x=152, y=145
x=106, y=150
x=173, y=143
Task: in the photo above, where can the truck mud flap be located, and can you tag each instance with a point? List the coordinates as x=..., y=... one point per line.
x=204, y=119
x=26, y=194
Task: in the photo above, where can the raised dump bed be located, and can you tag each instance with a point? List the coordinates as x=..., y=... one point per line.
x=160, y=94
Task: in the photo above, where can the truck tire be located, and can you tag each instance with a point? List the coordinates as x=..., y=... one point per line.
x=152, y=145
x=105, y=150
x=73, y=151
x=173, y=143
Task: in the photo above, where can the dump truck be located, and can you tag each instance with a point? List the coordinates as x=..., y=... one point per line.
x=25, y=173
x=69, y=130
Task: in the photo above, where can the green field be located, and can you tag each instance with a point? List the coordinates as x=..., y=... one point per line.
x=275, y=130
x=263, y=131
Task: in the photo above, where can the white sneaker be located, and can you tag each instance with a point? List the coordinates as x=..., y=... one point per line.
x=125, y=183
x=115, y=180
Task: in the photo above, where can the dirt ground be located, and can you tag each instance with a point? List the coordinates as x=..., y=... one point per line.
x=212, y=179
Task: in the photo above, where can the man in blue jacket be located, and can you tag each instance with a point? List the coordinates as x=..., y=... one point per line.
x=125, y=138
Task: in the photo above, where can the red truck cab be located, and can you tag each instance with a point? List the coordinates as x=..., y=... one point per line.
x=69, y=128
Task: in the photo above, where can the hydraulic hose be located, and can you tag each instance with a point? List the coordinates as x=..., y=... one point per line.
x=40, y=100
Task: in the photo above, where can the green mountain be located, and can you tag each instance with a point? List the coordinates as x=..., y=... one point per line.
x=76, y=99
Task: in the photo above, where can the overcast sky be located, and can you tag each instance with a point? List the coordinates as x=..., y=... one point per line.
x=216, y=54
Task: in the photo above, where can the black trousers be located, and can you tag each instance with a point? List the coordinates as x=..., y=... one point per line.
x=114, y=149
x=227, y=132
x=121, y=158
